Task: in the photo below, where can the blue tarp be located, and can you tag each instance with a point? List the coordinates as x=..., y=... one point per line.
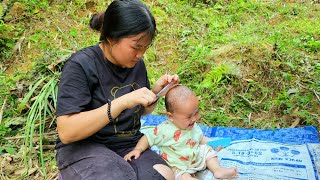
x=301, y=135
x=285, y=153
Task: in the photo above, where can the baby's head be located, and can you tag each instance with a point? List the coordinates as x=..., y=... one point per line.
x=182, y=107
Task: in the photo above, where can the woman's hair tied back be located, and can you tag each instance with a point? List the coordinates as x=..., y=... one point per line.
x=124, y=18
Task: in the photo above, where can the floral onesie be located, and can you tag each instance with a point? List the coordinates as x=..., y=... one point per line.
x=181, y=148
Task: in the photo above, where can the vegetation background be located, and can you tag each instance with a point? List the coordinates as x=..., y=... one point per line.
x=253, y=63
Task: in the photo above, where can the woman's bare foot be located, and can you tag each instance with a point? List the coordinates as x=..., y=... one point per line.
x=226, y=173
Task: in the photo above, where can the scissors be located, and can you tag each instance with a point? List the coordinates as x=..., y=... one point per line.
x=160, y=92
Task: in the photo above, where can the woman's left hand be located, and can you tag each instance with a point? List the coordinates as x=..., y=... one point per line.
x=163, y=81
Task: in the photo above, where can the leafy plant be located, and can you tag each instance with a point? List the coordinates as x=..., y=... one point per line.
x=34, y=6
x=216, y=74
x=6, y=43
x=3, y=130
x=42, y=108
x=313, y=46
x=216, y=118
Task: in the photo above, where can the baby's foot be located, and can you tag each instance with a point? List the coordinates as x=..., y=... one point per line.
x=226, y=173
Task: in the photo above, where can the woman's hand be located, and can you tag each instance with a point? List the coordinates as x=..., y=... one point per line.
x=142, y=96
x=163, y=81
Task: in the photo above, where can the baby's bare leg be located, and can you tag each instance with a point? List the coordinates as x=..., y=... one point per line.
x=187, y=176
x=221, y=172
x=165, y=171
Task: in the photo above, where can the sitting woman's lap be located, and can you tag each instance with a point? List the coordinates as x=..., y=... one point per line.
x=88, y=160
x=143, y=166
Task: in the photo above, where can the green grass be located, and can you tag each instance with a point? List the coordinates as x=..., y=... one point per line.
x=253, y=64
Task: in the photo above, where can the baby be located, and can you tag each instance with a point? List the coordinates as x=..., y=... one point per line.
x=181, y=141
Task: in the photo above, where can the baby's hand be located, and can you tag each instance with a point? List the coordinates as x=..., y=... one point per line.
x=134, y=153
x=218, y=148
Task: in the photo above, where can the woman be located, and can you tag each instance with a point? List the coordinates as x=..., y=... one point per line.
x=103, y=91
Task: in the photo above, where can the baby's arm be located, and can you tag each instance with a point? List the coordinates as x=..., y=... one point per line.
x=205, y=140
x=141, y=146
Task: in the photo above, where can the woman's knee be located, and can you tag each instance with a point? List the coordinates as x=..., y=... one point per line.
x=100, y=168
x=92, y=161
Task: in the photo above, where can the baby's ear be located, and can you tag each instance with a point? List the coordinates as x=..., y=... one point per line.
x=169, y=115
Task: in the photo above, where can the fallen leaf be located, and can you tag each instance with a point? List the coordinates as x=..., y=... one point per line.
x=295, y=123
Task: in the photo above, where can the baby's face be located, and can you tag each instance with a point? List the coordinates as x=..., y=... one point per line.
x=186, y=114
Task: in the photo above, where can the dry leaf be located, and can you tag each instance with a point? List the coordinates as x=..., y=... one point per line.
x=295, y=123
